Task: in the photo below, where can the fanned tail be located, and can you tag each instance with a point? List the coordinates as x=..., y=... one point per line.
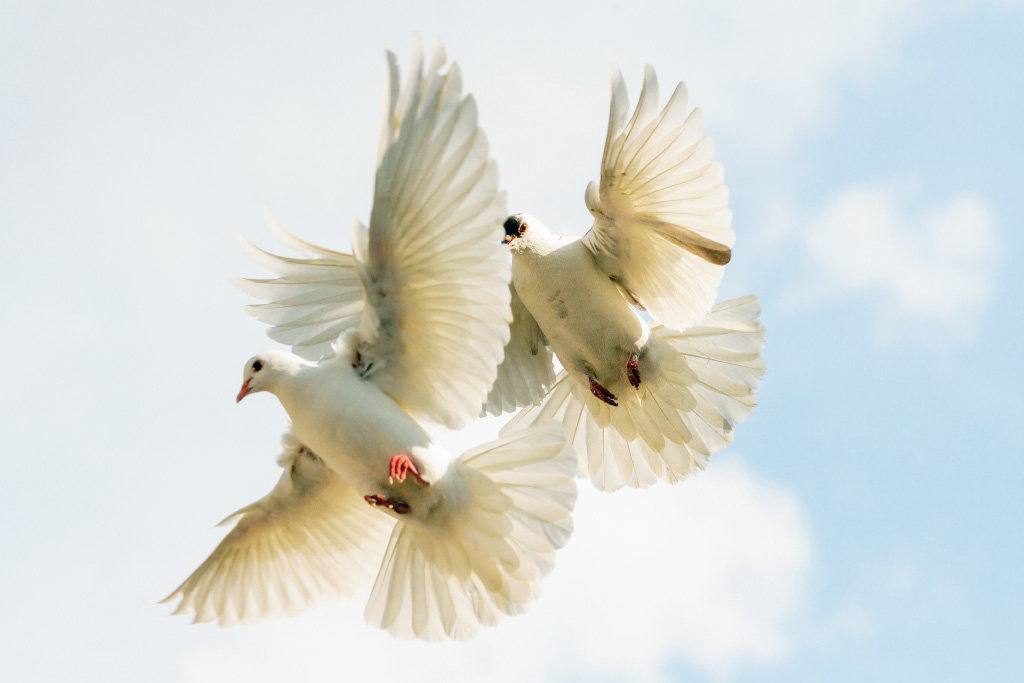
x=486, y=557
x=677, y=419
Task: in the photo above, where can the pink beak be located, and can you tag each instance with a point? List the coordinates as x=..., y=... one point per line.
x=244, y=391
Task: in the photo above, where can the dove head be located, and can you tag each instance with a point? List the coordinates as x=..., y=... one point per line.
x=265, y=371
x=523, y=231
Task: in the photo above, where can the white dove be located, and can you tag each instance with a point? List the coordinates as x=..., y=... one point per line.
x=639, y=402
x=428, y=288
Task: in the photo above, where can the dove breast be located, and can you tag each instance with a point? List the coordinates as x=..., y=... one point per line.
x=356, y=428
x=589, y=326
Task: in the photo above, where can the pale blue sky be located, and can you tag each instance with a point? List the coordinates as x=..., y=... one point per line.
x=864, y=526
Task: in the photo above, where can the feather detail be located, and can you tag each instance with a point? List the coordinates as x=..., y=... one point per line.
x=661, y=216
x=668, y=428
x=312, y=539
x=526, y=372
x=488, y=557
x=433, y=269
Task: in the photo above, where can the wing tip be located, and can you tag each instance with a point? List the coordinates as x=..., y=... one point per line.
x=650, y=74
x=171, y=596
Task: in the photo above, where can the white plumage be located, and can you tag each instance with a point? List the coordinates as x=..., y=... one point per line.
x=407, y=331
x=640, y=403
x=661, y=210
x=311, y=539
x=684, y=411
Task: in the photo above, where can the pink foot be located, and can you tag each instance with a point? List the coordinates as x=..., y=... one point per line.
x=633, y=371
x=400, y=466
x=602, y=393
x=378, y=500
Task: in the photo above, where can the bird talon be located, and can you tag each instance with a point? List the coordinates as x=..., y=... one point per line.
x=400, y=466
x=633, y=371
x=602, y=393
x=398, y=506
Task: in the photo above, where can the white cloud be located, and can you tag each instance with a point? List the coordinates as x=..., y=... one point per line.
x=932, y=269
x=777, y=67
x=712, y=571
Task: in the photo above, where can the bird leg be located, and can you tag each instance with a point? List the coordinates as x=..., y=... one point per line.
x=399, y=506
x=400, y=466
x=633, y=371
x=602, y=393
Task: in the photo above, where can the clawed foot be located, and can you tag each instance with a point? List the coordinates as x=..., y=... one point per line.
x=602, y=393
x=400, y=466
x=377, y=500
x=633, y=371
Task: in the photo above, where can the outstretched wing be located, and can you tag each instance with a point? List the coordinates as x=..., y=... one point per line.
x=432, y=265
x=310, y=540
x=526, y=373
x=661, y=216
x=428, y=282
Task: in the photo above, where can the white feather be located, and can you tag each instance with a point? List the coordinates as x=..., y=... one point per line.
x=661, y=216
x=526, y=372
x=312, y=539
x=679, y=417
x=492, y=551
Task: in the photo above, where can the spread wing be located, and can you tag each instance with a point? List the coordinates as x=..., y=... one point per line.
x=310, y=540
x=428, y=283
x=432, y=265
x=661, y=216
x=526, y=373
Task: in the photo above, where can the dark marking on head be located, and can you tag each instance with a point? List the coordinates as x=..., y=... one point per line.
x=514, y=227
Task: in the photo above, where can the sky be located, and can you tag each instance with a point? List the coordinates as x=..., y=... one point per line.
x=864, y=525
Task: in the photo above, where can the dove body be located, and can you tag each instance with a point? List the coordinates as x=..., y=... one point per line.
x=589, y=326
x=409, y=330
x=641, y=399
x=355, y=428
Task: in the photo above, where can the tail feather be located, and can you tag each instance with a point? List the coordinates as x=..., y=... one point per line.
x=487, y=558
x=678, y=418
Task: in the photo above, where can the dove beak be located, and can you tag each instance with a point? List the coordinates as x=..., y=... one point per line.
x=244, y=391
x=507, y=239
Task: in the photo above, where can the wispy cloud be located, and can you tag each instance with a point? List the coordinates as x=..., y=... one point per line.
x=925, y=269
x=778, y=66
x=766, y=74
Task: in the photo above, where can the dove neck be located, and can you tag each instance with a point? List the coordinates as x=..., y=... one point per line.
x=540, y=242
x=292, y=379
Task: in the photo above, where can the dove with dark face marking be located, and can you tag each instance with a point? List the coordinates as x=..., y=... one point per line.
x=640, y=402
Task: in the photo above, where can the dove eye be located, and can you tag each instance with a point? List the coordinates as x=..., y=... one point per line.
x=257, y=365
x=523, y=228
